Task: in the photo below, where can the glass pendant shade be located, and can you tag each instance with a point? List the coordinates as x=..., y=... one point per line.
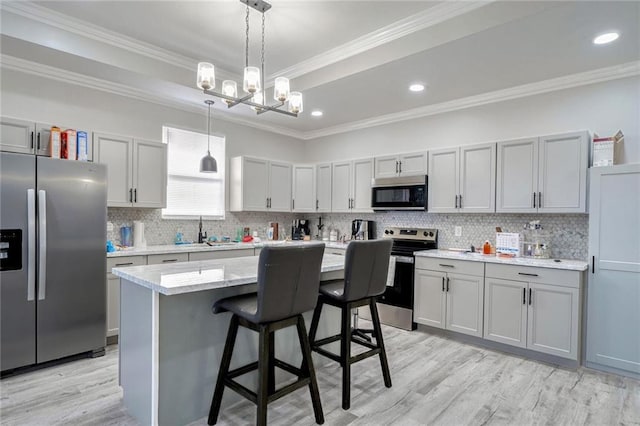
x=208, y=164
x=281, y=89
x=206, y=76
x=295, y=102
x=258, y=98
x=229, y=88
x=251, y=82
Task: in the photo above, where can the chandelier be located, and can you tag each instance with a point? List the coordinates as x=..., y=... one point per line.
x=253, y=83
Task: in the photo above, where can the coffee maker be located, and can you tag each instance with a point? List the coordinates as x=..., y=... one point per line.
x=299, y=229
x=362, y=229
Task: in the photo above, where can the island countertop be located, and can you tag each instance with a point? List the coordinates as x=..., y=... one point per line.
x=571, y=265
x=188, y=277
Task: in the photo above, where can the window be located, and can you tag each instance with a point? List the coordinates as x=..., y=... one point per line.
x=190, y=193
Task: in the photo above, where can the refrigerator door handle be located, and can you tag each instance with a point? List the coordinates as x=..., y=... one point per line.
x=42, y=228
x=31, y=240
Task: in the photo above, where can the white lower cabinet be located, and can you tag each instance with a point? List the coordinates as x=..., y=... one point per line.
x=449, y=300
x=113, y=290
x=538, y=310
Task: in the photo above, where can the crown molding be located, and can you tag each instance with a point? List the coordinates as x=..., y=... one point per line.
x=80, y=28
x=427, y=18
x=628, y=69
x=77, y=79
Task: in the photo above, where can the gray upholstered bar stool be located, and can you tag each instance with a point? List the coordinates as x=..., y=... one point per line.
x=288, y=281
x=365, y=278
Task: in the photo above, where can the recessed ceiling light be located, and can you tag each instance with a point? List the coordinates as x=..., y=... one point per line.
x=416, y=87
x=606, y=38
x=316, y=113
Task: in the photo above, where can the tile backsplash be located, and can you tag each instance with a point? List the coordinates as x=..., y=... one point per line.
x=568, y=232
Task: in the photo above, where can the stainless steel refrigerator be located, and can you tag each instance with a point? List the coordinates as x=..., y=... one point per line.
x=53, y=217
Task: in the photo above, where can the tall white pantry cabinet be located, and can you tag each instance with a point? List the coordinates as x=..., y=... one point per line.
x=613, y=304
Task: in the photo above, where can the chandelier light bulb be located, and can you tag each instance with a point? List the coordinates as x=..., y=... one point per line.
x=251, y=82
x=229, y=88
x=295, y=102
x=258, y=98
x=206, y=76
x=281, y=89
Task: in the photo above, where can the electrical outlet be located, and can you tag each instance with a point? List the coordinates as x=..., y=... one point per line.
x=109, y=227
x=458, y=231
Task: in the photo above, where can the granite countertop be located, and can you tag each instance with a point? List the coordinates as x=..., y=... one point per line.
x=188, y=277
x=192, y=248
x=571, y=265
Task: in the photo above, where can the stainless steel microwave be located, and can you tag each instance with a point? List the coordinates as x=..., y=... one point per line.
x=399, y=193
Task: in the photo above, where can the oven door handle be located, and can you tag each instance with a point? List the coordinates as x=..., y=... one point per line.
x=403, y=259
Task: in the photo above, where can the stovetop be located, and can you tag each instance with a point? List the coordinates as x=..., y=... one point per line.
x=408, y=240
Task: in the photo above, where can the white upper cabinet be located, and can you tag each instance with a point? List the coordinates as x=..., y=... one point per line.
x=259, y=185
x=323, y=187
x=304, y=188
x=351, y=186
x=149, y=174
x=462, y=179
x=562, y=176
x=341, y=187
x=361, y=185
x=401, y=165
x=136, y=171
x=17, y=135
x=545, y=175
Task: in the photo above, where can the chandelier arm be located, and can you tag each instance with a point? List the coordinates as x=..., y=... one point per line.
x=274, y=106
x=248, y=102
x=236, y=101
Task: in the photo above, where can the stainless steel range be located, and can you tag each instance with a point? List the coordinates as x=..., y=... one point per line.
x=396, y=304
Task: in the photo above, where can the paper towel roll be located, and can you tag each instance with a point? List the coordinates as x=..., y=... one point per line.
x=138, y=235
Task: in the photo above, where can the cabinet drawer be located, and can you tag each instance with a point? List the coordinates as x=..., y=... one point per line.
x=156, y=259
x=219, y=254
x=115, y=262
x=532, y=274
x=449, y=265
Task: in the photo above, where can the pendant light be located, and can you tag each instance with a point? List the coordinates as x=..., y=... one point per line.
x=208, y=164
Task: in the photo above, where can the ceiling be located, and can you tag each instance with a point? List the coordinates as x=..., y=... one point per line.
x=354, y=60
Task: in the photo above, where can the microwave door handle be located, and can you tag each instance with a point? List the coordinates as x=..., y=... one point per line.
x=42, y=233
x=31, y=241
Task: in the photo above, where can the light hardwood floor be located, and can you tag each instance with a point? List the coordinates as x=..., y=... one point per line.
x=436, y=381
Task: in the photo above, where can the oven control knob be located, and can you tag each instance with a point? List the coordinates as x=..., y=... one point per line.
x=386, y=232
x=431, y=234
x=391, y=232
x=425, y=233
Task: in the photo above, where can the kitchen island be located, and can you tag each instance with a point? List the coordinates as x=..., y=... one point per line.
x=171, y=343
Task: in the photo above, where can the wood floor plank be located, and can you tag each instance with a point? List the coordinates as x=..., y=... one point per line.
x=436, y=381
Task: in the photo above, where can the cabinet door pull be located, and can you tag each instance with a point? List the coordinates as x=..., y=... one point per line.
x=169, y=260
x=539, y=199
x=443, y=284
x=447, y=284
x=593, y=264
x=445, y=265
x=524, y=295
x=131, y=195
x=530, y=296
x=31, y=140
x=396, y=167
x=135, y=195
x=528, y=275
x=124, y=264
x=534, y=200
x=38, y=144
x=317, y=202
x=400, y=163
x=266, y=203
x=293, y=204
x=460, y=203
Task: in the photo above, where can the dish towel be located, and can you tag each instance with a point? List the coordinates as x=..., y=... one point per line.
x=392, y=271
